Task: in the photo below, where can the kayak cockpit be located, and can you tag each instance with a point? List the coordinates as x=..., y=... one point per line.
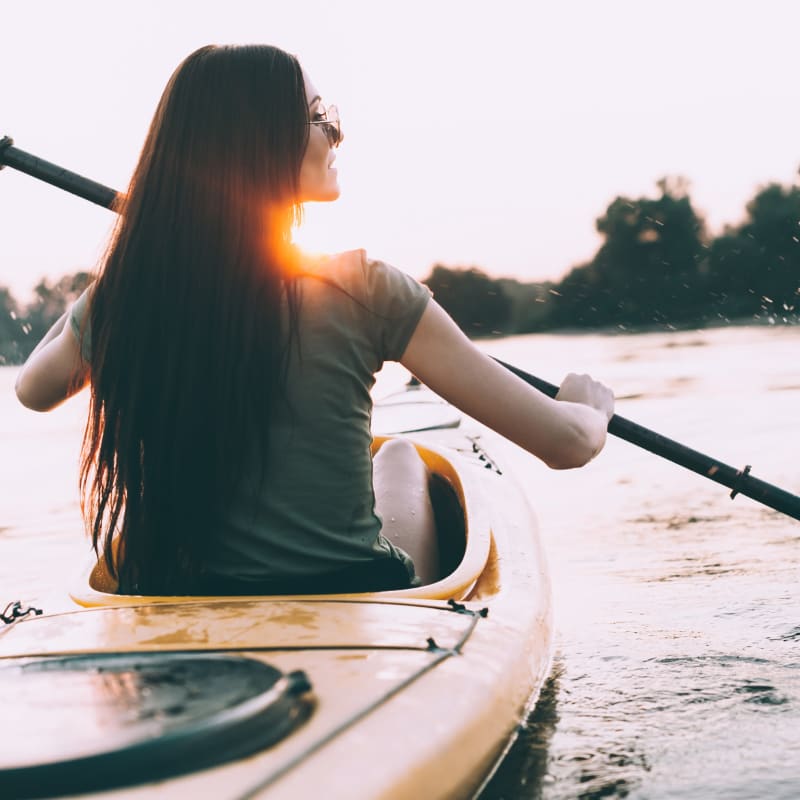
x=462, y=525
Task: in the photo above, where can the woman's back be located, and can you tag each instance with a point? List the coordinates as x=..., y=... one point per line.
x=306, y=507
x=314, y=510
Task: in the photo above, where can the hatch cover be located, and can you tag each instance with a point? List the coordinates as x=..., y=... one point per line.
x=87, y=723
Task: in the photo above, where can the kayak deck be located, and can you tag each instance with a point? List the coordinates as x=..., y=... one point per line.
x=404, y=685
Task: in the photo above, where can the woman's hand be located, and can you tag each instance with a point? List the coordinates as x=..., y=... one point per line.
x=584, y=389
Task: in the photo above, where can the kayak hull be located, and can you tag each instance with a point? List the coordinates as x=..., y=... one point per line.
x=413, y=696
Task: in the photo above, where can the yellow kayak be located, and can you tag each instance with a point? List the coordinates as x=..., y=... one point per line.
x=403, y=694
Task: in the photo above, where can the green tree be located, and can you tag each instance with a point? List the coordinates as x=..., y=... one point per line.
x=649, y=269
x=50, y=302
x=11, y=328
x=755, y=267
x=21, y=329
x=733, y=277
x=530, y=309
x=478, y=304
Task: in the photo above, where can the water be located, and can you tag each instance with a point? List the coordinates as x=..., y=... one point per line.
x=678, y=666
x=678, y=611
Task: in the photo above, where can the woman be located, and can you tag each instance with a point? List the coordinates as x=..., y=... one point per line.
x=227, y=447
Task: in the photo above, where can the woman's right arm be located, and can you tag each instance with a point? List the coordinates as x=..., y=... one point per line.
x=566, y=432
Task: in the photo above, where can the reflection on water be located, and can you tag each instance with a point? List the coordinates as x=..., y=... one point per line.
x=678, y=611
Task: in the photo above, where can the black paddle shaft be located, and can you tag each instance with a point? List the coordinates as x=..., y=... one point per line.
x=55, y=175
x=740, y=481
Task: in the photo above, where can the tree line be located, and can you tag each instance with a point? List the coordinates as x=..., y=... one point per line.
x=21, y=327
x=657, y=266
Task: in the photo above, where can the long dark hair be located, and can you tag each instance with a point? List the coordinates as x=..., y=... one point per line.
x=187, y=338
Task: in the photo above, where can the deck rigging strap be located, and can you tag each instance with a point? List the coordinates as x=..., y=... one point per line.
x=482, y=455
x=14, y=612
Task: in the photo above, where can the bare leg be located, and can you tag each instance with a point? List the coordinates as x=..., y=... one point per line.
x=404, y=504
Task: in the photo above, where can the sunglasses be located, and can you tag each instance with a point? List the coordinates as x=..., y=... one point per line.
x=328, y=119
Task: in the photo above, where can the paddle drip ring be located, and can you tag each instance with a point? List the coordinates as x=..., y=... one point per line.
x=741, y=478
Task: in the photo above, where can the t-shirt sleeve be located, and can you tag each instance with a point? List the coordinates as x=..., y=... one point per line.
x=397, y=302
x=79, y=322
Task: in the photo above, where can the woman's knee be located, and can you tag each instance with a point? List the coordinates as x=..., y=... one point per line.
x=398, y=459
x=401, y=450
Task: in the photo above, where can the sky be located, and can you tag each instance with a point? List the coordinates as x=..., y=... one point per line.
x=477, y=134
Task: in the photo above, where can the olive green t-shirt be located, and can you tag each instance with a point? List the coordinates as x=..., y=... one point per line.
x=315, y=511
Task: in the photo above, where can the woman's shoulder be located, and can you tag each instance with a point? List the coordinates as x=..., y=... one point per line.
x=358, y=274
x=347, y=271
x=387, y=300
x=345, y=266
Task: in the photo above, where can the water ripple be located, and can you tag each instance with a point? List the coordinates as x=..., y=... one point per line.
x=792, y=636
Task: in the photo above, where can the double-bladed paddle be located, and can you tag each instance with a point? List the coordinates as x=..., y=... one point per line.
x=740, y=481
